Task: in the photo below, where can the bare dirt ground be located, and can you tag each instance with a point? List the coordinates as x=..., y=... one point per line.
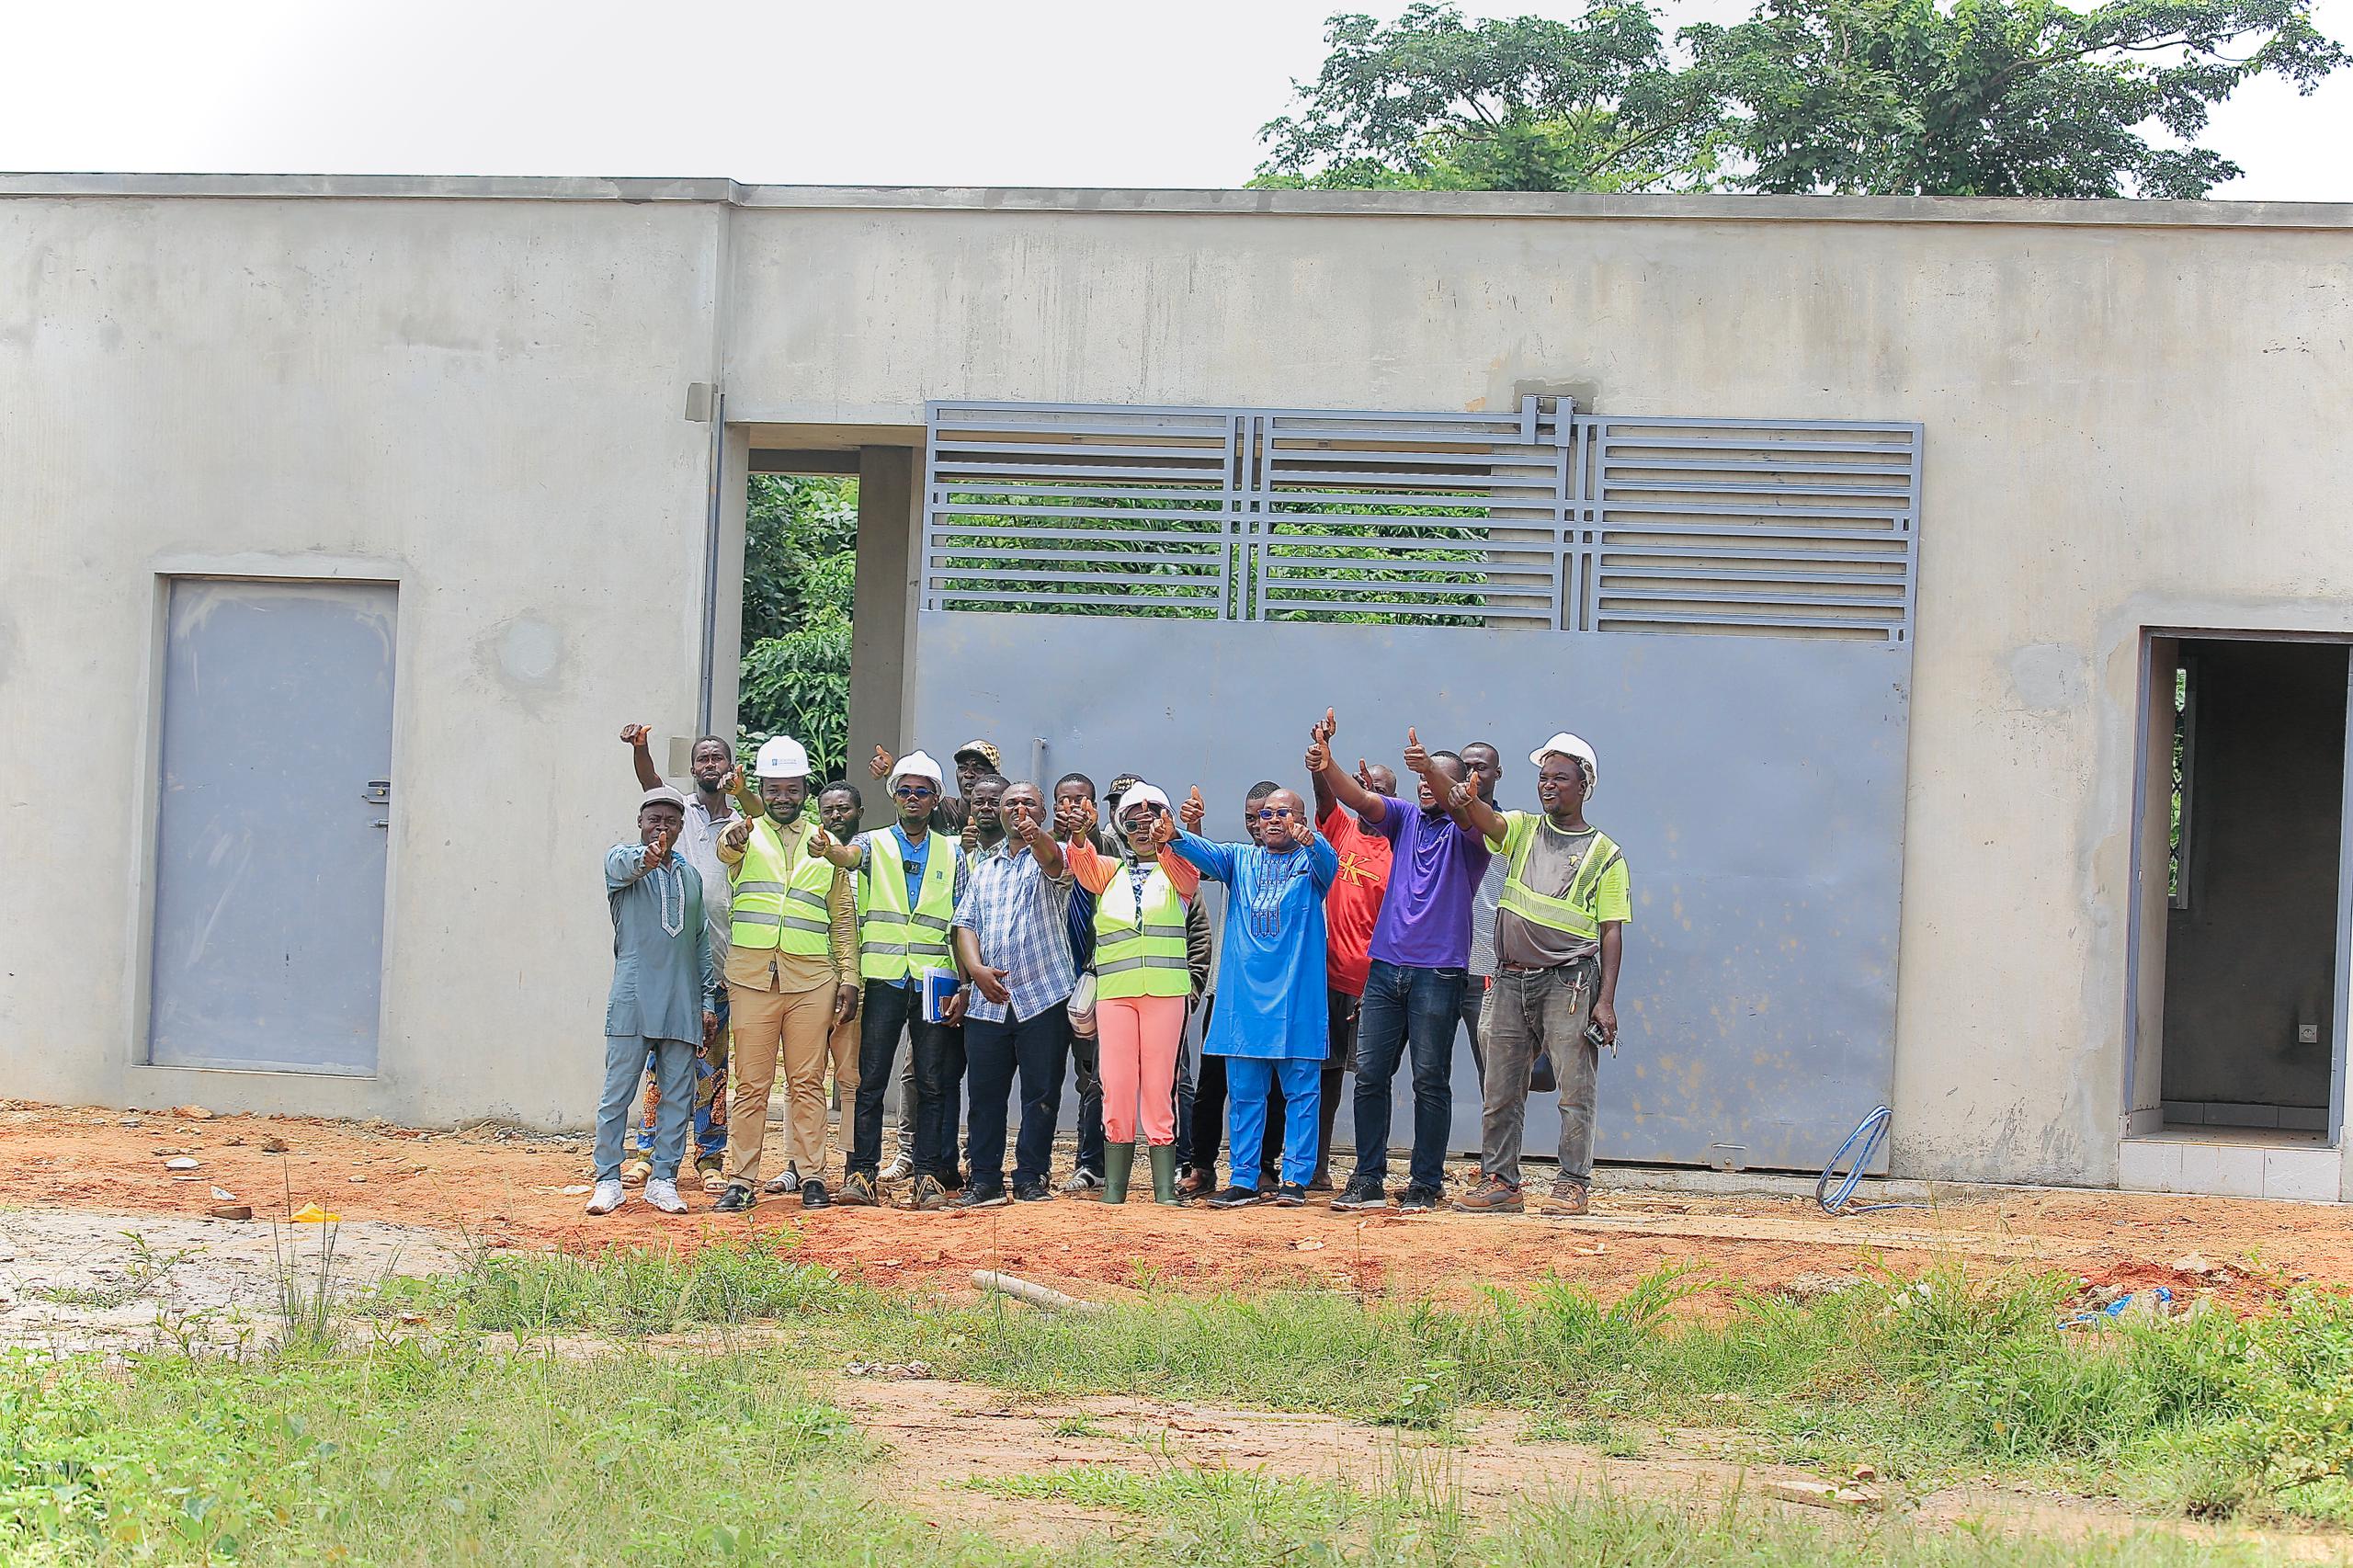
x=941, y=1433
x=508, y=1189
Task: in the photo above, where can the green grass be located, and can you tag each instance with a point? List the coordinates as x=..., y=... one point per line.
x=1929, y=1380
x=1926, y=1380
x=409, y=1453
x=631, y=1291
x=1215, y=1518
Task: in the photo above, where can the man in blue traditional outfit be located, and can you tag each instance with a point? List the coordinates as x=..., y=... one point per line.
x=1271, y=1020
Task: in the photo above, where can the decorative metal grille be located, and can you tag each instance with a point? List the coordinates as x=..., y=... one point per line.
x=1541, y=520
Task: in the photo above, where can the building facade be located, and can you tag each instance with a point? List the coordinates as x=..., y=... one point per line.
x=1998, y=770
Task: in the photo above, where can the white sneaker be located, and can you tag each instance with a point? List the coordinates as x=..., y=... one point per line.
x=787, y=1179
x=663, y=1195
x=900, y=1168
x=607, y=1198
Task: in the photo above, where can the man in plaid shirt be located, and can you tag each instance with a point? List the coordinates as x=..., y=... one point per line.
x=1012, y=937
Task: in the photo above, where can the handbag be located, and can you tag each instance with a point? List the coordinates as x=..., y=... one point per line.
x=1081, y=1007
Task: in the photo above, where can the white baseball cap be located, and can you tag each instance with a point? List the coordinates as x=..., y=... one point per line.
x=663, y=795
x=782, y=758
x=1138, y=793
x=917, y=765
x=1567, y=745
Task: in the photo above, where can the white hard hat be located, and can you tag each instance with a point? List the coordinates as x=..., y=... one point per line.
x=917, y=765
x=1567, y=745
x=782, y=758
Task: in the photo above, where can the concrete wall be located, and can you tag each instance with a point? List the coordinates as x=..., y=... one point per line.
x=2132, y=414
x=482, y=402
x=2254, y=953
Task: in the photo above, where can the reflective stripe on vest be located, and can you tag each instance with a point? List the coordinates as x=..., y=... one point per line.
x=891, y=940
x=777, y=909
x=1141, y=953
x=1578, y=914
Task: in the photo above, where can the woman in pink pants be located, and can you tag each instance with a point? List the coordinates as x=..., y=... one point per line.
x=1142, y=986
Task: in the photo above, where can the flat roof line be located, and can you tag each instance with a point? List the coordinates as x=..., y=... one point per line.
x=1235, y=202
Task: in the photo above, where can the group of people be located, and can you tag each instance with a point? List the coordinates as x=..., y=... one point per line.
x=1006, y=939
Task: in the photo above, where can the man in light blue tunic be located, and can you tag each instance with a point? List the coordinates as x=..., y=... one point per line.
x=1272, y=1021
x=665, y=988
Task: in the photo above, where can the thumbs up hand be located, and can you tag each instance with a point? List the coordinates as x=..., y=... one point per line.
x=1415, y=757
x=879, y=764
x=1194, y=812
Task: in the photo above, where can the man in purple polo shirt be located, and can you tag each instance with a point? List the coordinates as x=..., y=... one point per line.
x=1412, y=992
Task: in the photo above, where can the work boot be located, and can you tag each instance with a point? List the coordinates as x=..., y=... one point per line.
x=1164, y=1173
x=1569, y=1197
x=1118, y=1162
x=1495, y=1196
x=857, y=1190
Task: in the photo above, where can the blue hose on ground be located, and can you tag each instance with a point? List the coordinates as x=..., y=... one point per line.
x=1872, y=1131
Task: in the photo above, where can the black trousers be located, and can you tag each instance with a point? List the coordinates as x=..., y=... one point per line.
x=938, y=1052
x=1037, y=1050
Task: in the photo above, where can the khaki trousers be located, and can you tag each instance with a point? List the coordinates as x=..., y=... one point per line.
x=769, y=1025
x=808, y=1148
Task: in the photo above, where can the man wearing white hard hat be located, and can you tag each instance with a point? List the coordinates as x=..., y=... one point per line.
x=1560, y=934
x=908, y=877
x=792, y=967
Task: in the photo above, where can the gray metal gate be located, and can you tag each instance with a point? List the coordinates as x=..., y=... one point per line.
x=1722, y=605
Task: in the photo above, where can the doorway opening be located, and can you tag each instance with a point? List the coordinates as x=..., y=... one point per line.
x=2240, y=999
x=799, y=570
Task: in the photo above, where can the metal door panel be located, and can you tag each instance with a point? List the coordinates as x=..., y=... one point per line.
x=272, y=825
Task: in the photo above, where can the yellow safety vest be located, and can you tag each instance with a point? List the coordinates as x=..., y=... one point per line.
x=1578, y=912
x=772, y=910
x=894, y=940
x=1140, y=952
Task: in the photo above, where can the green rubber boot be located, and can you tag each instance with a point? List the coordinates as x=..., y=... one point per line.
x=1119, y=1159
x=1163, y=1173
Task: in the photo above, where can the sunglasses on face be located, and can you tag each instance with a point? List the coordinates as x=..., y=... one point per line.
x=914, y=792
x=1272, y=814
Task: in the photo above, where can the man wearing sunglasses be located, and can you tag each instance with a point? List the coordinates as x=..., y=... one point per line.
x=1272, y=1027
x=909, y=878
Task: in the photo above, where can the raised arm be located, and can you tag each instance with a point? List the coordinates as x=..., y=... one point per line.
x=1211, y=860
x=747, y=795
x=1467, y=807
x=625, y=863
x=1092, y=871
x=849, y=856
x=1333, y=783
x=648, y=776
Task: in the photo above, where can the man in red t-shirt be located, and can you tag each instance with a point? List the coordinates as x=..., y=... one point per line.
x=1350, y=912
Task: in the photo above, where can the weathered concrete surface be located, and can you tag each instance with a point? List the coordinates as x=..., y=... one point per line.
x=2133, y=416
x=74, y=1281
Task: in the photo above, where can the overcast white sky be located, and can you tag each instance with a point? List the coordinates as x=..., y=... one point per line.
x=1021, y=92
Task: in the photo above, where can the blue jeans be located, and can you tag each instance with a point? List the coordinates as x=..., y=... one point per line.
x=1407, y=1008
x=674, y=1074
x=1252, y=1081
x=1038, y=1049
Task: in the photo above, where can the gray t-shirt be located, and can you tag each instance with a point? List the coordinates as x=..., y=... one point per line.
x=698, y=847
x=1553, y=860
x=1484, y=900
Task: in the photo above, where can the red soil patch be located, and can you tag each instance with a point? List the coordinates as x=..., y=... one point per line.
x=507, y=1190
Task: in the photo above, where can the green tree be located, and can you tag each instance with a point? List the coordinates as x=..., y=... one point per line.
x=1528, y=104
x=1995, y=97
x=799, y=553
x=1943, y=97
